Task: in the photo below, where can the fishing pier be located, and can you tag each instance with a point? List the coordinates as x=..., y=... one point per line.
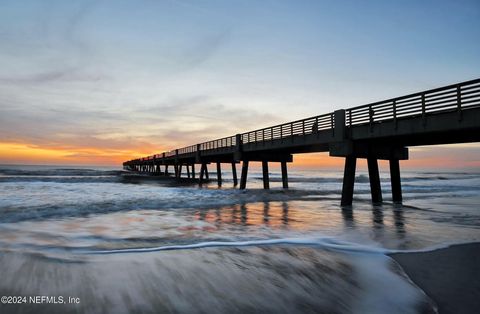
x=381, y=130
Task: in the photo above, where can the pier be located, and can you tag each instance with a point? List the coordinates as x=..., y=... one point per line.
x=382, y=130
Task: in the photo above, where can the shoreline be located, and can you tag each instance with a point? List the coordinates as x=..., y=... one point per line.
x=449, y=276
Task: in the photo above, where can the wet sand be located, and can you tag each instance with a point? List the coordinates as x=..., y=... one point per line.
x=450, y=276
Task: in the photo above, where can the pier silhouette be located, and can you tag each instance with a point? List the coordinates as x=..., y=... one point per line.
x=381, y=130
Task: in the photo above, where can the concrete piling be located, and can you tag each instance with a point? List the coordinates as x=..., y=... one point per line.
x=374, y=176
x=348, y=180
x=266, y=179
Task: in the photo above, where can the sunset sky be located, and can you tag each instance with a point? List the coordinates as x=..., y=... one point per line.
x=100, y=82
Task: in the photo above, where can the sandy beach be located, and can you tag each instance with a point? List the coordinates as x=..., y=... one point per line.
x=450, y=276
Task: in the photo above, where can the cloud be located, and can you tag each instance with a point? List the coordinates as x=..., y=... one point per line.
x=205, y=48
x=172, y=123
x=64, y=75
x=207, y=110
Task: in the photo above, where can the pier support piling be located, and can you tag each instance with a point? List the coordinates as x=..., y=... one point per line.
x=348, y=180
x=284, y=174
x=243, y=178
x=188, y=170
x=234, y=174
x=206, y=172
x=179, y=171
x=219, y=174
x=374, y=176
x=193, y=171
x=395, y=180
x=266, y=179
x=202, y=172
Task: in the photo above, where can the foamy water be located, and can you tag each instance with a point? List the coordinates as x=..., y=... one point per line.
x=123, y=243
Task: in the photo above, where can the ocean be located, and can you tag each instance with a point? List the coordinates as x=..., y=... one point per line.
x=117, y=242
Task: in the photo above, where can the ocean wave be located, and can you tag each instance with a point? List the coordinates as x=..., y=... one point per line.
x=325, y=242
x=59, y=172
x=62, y=202
x=61, y=179
x=297, y=277
x=179, y=199
x=363, y=178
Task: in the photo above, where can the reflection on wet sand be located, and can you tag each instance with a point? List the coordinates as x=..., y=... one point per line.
x=272, y=214
x=347, y=214
x=281, y=214
x=399, y=220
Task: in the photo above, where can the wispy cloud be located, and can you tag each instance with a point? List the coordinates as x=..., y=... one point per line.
x=172, y=123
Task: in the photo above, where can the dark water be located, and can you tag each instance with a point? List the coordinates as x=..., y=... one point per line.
x=124, y=243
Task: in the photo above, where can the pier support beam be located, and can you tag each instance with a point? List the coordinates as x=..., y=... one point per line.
x=166, y=170
x=374, y=176
x=243, y=178
x=348, y=180
x=202, y=172
x=284, y=174
x=193, y=171
x=395, y=180
x=179, y=171
x=188, y=170
x=206, y=171
x=219, y=174
x=234, y=174
x=266, y=179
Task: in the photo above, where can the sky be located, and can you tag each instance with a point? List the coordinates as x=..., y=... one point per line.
x=101, y=82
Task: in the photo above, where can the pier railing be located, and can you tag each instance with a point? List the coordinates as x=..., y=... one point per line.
x=299, y=127
x=449, y=98
x=456, y=97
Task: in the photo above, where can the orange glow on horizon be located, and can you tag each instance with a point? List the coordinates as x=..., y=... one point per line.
x=19, y=153
x=22, y=153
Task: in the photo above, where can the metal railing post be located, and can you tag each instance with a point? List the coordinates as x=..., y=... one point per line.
x=424, y=109
x=291, y=130
x=459, y=102
x=395, y=113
